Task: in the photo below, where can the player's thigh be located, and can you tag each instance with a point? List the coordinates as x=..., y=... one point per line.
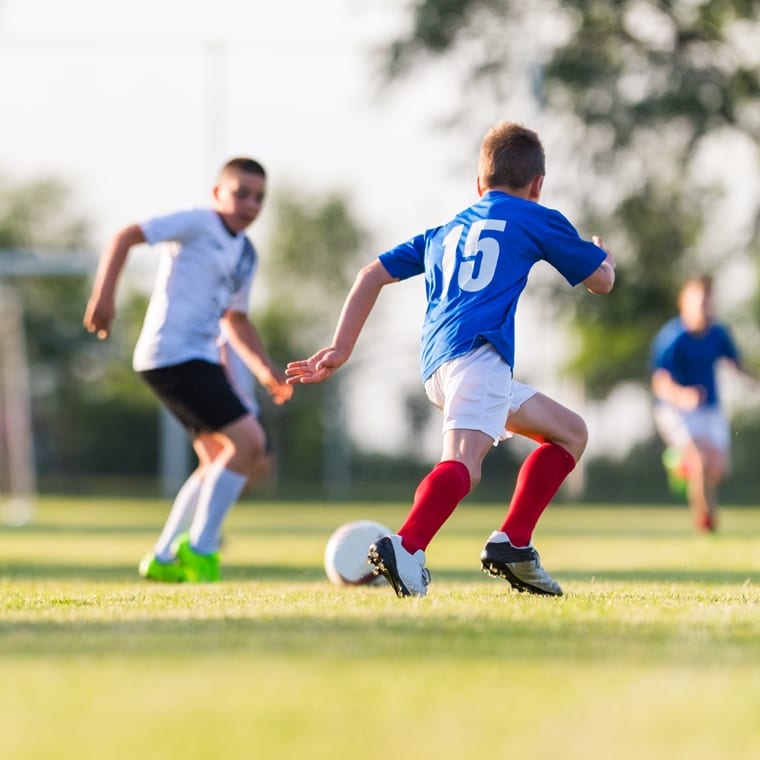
x=473, y=391
x=715, y=460
x=469, y=447
x=246, y=435
x=544, y=419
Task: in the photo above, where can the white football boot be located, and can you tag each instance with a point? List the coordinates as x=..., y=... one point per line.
x=406, y=572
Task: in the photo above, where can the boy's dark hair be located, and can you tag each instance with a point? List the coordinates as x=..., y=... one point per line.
x=511, y=156
x=702, y=281
x=242, y=164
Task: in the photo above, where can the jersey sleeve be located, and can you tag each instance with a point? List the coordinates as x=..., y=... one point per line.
x=407, y=259
x=177, y=227
x=661, y=350
x=574, y=258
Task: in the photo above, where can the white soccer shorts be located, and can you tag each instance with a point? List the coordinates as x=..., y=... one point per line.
x=476, y=391
x=679, y=428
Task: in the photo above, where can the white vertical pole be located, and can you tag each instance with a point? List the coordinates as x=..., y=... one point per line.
x=16, y=412
x=174, y=454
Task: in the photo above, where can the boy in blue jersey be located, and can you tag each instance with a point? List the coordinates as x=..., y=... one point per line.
x=688, y=414
x=475, y=268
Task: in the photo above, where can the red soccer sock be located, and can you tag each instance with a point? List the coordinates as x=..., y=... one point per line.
x=435, y=499
x=540, y=477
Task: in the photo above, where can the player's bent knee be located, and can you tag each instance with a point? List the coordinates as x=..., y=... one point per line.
x=575, y=436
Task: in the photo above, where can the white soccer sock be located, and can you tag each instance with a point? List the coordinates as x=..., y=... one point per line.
x=221, y=488
x=180, y=517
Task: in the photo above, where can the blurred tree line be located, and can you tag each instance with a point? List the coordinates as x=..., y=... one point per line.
x=89, y=415
x=96, y=424
x=636, y=94
x=653, y=109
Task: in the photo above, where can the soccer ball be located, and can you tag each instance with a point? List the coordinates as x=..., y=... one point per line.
x=346, y=553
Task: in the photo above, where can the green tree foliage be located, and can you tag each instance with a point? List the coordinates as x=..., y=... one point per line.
x=307, y=268
x=36, y=216
x=74, y=378
x=640, y=87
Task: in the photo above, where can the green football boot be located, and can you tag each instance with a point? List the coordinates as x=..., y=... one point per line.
x=671, y=460
x=198, y=568
x=163, y=572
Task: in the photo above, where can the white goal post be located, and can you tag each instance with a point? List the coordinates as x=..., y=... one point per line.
x=18, y=477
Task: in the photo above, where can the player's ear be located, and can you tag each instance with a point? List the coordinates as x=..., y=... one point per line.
x=536, y=186
x=480, y=187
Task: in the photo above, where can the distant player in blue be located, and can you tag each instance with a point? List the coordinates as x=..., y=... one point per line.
x=688, y=413
x=475, y=268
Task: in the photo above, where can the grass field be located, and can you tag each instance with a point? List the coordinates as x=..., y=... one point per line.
x=653, y=652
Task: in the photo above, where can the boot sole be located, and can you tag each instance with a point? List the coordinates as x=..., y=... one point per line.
x=501, y=571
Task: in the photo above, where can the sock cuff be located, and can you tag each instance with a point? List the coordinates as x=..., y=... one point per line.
x=458, y=470
x=218, y=472
x=560, y=451
x=232, y=477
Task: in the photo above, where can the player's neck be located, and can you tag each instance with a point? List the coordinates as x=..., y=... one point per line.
x=517, y=192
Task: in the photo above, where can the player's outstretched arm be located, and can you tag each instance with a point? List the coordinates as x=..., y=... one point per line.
x=602, y=280
x=101, y=306
x=356, y=308
x=685, y=397
x=245, y=340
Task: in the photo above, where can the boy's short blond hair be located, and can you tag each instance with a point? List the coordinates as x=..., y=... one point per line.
x=510, y=156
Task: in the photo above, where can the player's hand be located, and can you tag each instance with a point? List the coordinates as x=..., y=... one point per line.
x=98, y=317
x=689, y=397
x=278, y=388
x=600, y=243
x=316, y=368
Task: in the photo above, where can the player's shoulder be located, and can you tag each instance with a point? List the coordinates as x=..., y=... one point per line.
x=673, y=327
x=722, y=332
x=531, y=212
x=671, y=331
x=720, y=327
x=187, y=218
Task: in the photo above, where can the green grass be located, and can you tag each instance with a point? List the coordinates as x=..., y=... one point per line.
x=653, y=652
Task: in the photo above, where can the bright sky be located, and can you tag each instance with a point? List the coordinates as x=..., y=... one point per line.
x=137, y=104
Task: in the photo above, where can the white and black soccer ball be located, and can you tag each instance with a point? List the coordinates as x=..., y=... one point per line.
x=346, y=553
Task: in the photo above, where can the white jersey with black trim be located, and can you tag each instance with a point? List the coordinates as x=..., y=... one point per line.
x=205, y=271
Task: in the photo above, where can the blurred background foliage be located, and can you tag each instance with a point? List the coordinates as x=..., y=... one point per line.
x=639, y=92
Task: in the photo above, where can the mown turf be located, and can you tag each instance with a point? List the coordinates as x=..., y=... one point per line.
x=652, y=653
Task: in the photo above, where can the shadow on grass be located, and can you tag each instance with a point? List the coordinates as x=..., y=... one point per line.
x=407, y=633
x=132, y=528
x=654, y=575
x=128, y=573
x=86, y=529
x=283, y=573
x=632, y=575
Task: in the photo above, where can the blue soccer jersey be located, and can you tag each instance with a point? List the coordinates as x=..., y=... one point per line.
x=690, y=358
x=477, y=265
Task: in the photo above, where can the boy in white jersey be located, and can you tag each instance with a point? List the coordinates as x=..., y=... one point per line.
x=475, y=268
x=201, y=291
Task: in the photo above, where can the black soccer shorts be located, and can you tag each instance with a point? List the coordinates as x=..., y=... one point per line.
x=198, y=393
